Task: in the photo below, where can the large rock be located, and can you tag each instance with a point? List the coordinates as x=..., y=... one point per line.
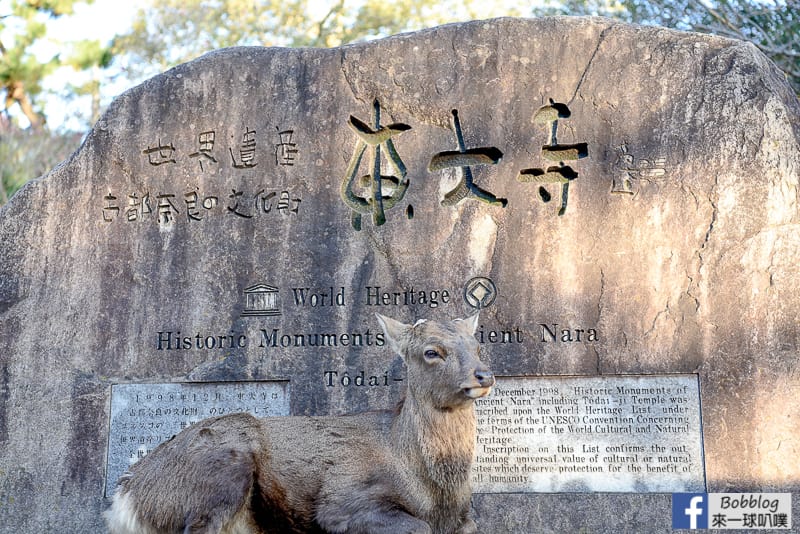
x=207, y=199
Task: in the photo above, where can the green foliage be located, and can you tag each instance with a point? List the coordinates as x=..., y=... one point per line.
x=174, y=31
x=169, y=32
x=772, y=25
x=88, y=54
x=22, y=26
x=27, y=153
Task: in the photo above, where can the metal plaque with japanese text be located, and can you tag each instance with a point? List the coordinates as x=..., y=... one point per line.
x=145, y=415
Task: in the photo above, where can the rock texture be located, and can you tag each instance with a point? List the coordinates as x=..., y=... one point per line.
x=636, y=186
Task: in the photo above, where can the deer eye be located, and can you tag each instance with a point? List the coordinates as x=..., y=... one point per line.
x=432, y=355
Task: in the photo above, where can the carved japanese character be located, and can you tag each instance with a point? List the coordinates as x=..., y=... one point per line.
x=554, y=151
x=236, y=209
x=160, y=154
x=288, y=205
x=629, y=170
x=465, y=158
x=111, y=209
x=138, y=207
x=193, y=205
x=378, y=202
x=286, y=150
x=166, y=208
x=247, y=151
x=205, y=141
x=264, y=201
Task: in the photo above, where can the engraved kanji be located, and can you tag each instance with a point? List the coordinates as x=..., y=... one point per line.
x=554, y=151
x=138, y=207
x=286, y=149
x=264, y=200
x=160, y=154
x=247, y=151
x=166, y=208
x=236, y=209
x=465, y=158
x=630, y=170
x=111, y=209
x=378, y=202
x=205, y=141
x=194, y=203
x=287, y=205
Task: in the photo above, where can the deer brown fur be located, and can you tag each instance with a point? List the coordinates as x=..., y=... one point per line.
x=377, y=472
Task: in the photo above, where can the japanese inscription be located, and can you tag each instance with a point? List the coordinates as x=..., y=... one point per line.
x=160, y=154
x=145, y=415
x=555, y=151
x=195, y=205
x=286, y=150
x=372, y=193
x=192, y=205
x=465, y=158
x=630, y=170
x=375, y=137
x=247, y=151
x=243, y=153
x=168, y=207
x=205, y=150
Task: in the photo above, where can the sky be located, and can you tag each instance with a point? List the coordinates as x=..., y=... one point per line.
x=101, y=21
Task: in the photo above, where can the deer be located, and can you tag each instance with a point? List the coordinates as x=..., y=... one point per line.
x=402, y=471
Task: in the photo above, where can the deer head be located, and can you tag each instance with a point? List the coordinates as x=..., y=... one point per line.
x=443, y=360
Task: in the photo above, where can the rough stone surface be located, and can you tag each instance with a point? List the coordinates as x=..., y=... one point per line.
x=677, y=246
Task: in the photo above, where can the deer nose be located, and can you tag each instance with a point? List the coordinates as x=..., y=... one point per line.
x=484, y=377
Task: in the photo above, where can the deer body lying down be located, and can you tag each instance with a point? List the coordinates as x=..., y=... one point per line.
x=377, y=472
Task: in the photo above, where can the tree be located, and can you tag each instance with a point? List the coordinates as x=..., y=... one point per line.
x=174, y=31
x=94, y=57
x=22, y=26
x=26, y=153
x=772, y=25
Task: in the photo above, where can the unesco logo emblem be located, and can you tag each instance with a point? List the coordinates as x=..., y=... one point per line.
x=480, y=292
x=261, y=300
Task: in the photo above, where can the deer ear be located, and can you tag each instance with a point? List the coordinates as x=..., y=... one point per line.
x=471, y=322
x=394, y=331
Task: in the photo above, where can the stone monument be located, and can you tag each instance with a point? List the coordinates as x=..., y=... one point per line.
x=620, y=203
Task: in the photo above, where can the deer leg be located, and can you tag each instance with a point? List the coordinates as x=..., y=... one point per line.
x=223, y=516
x=220, y=496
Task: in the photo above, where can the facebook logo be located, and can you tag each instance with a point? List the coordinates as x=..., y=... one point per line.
x=689, y=510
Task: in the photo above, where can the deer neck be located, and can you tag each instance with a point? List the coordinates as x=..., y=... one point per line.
x=441, y=443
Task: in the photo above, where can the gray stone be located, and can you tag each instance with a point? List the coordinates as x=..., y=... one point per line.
x=630, y=207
